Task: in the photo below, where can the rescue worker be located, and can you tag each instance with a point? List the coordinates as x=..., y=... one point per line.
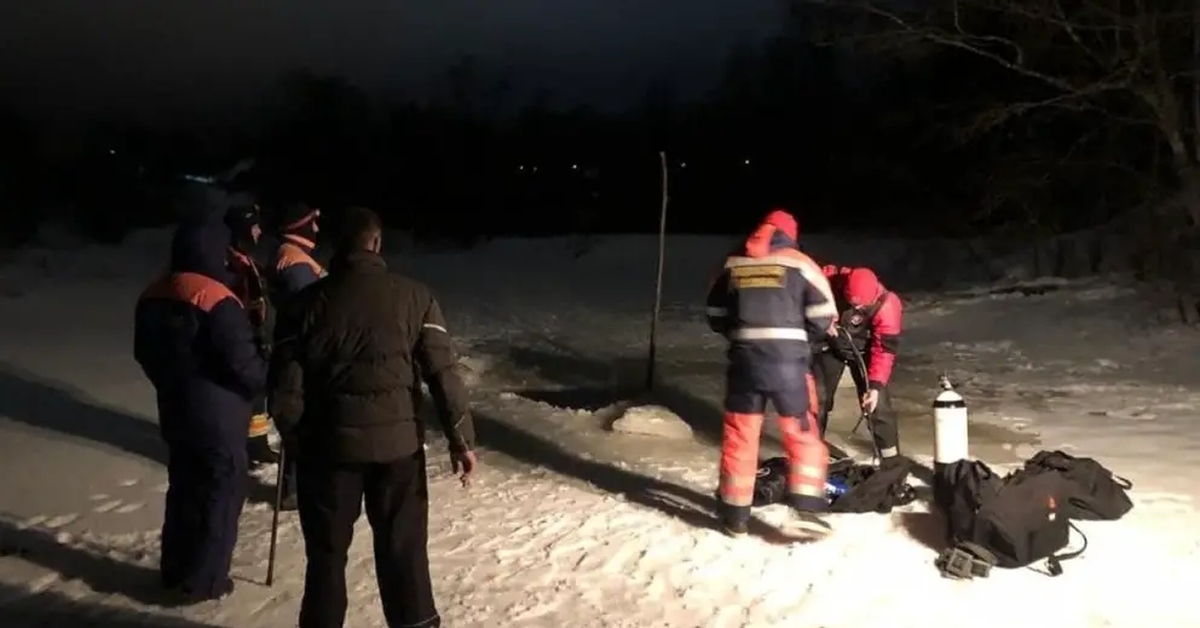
x=770, y=301
x=295, y=267
x=250, y=286
x=295, y=270
x=869, y=319
x=346, y=376
x=193, y=340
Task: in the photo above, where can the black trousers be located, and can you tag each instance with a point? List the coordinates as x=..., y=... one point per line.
x=828, y=368
x=396, y=494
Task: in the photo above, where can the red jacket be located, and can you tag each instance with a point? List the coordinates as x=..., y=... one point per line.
x=873, y=315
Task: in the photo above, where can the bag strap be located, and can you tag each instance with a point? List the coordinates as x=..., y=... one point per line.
x=1054, y=562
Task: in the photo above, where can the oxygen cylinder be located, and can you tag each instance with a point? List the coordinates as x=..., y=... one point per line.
x=949, y=426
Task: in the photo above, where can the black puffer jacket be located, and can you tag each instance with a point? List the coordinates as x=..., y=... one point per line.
x=350, y=352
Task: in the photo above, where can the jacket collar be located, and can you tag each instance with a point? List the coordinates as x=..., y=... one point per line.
x=357, y=261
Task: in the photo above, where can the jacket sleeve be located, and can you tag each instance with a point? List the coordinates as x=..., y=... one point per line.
x=885, y=341
x=820, y=311
x=297, y=277
x=438, y=362
x=717, y=304
x=285, y=378
x=232, y=336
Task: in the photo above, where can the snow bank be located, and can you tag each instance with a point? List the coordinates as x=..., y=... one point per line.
x=652, y=420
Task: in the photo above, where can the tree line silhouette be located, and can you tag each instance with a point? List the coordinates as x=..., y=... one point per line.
x=953, y=118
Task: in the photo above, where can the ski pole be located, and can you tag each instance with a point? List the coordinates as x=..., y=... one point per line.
x=275, y=515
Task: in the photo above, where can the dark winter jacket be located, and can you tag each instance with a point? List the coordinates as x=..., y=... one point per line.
x=194, y=341
x=769, y=301
x=350, y=353
x=295, y=267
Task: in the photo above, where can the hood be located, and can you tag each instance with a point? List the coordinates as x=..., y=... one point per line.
x=862, y=287
x=202, y=247
x=777, y=231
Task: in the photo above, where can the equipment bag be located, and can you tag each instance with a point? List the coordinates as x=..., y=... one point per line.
x=770, y=486
x=870, y=488
x=867, y=488
x=1005, y=522
x=1095, y=492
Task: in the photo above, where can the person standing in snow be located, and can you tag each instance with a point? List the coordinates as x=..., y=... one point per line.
x=769, y=301
x=245, y=223
x=295, y=270
x=869, y=322
x=194, y=341
x=295, y=267
x=350, y=353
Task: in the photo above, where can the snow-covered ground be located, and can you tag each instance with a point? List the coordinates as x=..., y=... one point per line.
x=571, y=524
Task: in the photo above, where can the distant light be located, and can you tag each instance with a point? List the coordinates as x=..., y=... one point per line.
x=535, y=169
x=199, y=179
x=522, y=167
x=112, y=151
x=574, y=166
x=746, y=162
x=683, y=164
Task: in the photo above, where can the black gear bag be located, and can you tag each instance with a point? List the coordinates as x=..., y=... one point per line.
x=1006, y=522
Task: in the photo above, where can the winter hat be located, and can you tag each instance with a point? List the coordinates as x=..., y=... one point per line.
x=784, y=222
x=862, y=287
x=296, y=216
x=241, y=219
x=777, y=230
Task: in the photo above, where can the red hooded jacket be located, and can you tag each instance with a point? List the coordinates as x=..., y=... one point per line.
x=859, y=293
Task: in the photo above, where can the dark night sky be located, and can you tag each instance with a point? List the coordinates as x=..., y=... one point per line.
x=162, y=53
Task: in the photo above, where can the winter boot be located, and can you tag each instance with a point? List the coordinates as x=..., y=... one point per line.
x=735, y=520
x=806, y=522
x=258, y=448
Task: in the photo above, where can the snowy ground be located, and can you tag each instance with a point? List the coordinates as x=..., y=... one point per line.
x=569, y=524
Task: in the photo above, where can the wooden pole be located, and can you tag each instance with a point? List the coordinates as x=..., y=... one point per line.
x=652, y=357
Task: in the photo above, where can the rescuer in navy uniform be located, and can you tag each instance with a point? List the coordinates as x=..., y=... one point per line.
x=770, y=301
x=250, y=286
x=194, y=341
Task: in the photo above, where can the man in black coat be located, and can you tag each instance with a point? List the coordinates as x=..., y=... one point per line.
x=350, y=353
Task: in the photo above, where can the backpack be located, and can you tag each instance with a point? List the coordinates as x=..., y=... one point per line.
x=1096, y=493
x=1006, y=522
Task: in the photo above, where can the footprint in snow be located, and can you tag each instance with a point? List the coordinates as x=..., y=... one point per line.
x=98, y=497
x=129, y=483
x=107, y=506
x=128, y=508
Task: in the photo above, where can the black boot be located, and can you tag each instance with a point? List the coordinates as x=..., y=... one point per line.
x=806, y=521
x=735, y=520
x=258, y=448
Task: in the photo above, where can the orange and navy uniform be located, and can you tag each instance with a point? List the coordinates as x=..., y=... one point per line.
x=771, y=301
x=295, y=267
x=194, y=341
